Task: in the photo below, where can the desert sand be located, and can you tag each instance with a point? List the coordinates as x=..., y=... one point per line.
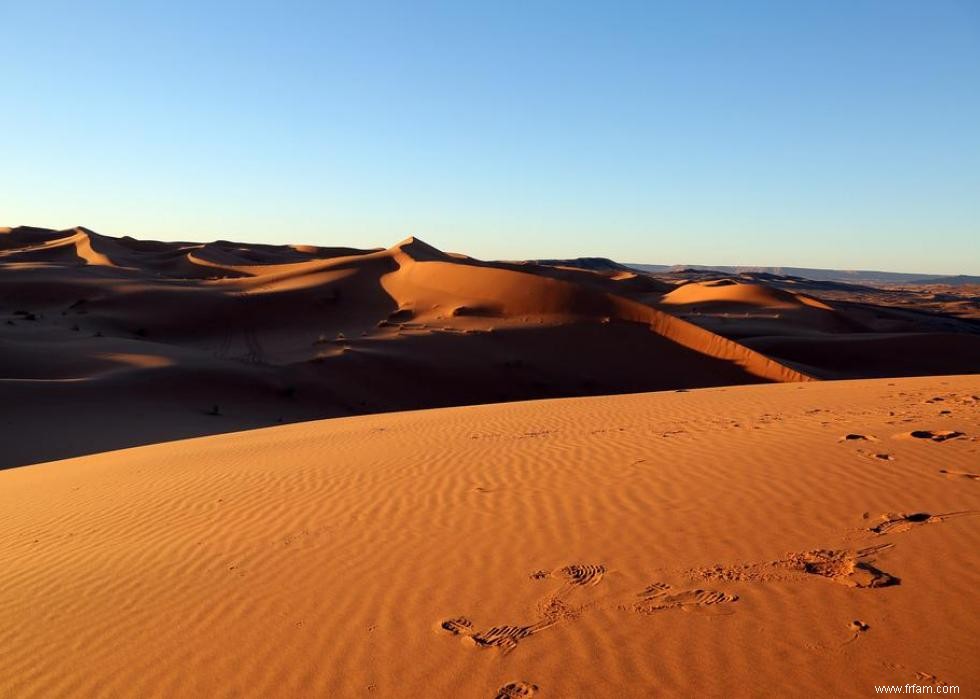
x=791, y=539
x=123, y=342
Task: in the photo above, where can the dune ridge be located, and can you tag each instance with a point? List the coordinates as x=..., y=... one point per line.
x=224, y=336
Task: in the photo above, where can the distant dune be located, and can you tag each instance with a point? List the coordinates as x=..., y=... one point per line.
x=833, y=275
x=171, y=340
x=808, y=539
x=162, y=341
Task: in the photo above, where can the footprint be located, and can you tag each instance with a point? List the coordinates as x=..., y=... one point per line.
x=539, y=433
x=458, y=626
x=513, y=690
x=859, y=626
x=660, y=596
x=930, y=679
x=551, y=610
x=848, y=568
x=555, y=609
x=960, y=474
x=507, y=637
x=897, y=523
x=504, y=637
x=582, y=574
x=854, y=437
x=576, y=574
x=877, y=455
x=935, y=435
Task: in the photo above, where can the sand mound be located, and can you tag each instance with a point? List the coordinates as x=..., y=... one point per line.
x=25, y=236
x=80, y=246
x=733, y=294
x=702, y=543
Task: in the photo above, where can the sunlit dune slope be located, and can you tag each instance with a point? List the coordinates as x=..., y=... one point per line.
x=775, y=540
x=732, y=293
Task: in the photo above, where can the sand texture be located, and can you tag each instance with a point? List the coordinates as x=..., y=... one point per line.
x=787, y=539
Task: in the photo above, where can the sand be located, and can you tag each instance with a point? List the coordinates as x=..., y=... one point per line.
x=123, y=342
x=177, y=518
x=791, y=539
x=164, y=341
x=833, y=330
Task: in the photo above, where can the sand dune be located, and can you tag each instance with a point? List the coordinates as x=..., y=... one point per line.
x=737, y=294
x=794, y=540
x=226, y=336
x=850, y=331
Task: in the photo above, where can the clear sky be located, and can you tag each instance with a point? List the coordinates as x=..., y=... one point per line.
x=820, y=134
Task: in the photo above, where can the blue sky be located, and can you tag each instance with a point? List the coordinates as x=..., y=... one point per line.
x=830, y=134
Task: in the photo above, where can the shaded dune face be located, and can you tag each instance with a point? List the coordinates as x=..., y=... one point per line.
x=224, y=336
x=757, y=308
x=873, y=354
x=852, y=332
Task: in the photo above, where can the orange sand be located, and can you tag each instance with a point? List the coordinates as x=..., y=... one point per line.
x=791, y=539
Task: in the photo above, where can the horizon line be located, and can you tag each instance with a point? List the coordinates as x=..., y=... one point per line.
x=668, y=266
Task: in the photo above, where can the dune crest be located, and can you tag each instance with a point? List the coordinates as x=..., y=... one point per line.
x=38, y=245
